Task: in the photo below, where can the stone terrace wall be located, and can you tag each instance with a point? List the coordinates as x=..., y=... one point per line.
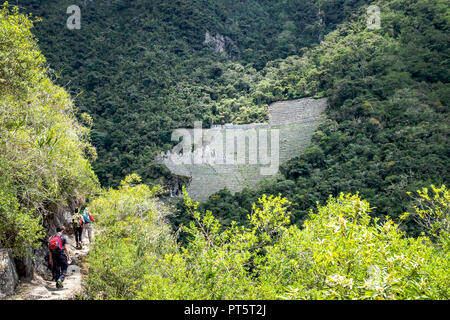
x=296, y=121
x=296, y=111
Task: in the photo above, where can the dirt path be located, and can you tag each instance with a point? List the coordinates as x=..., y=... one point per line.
x=41, y=289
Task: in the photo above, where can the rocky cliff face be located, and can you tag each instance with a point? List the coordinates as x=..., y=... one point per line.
x=219, y=42
x=8, y=275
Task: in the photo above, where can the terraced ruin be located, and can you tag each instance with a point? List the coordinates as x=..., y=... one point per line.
x=237, y=156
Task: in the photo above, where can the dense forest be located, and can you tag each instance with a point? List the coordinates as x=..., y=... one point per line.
x=141, y=68
x=363, y=213
x=387, y=129
x=140, y=79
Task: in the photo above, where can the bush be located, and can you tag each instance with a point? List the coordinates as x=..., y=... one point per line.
x=131, y=229
x=340, y=253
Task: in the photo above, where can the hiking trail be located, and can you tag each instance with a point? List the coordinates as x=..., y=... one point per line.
x=43, y=289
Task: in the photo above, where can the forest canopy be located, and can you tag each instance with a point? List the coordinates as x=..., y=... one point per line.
x=141, y=78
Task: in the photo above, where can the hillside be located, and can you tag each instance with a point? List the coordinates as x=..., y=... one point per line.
x=387, y=131
x=359, y=209
x=141, y=69
x=142, y=78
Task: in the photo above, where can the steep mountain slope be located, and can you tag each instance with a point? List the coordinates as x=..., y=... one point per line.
x=145, y=70
x=388, y=129
x=142, y=69
x=387, y=133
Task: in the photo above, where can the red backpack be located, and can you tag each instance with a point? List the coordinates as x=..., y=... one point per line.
x=55, y=243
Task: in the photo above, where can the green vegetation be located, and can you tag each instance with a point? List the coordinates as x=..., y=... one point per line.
x=387, y=128
x=43, y=148
x=340, y=253
x=388, y=89
x=132, y=229
x=432, y=213
x=140, y=69
x=143, y=77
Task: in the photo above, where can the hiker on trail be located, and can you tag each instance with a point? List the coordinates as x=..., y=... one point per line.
x=59, y=256
x=87, y=223
x=77, y=225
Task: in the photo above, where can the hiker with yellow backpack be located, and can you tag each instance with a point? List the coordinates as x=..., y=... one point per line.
x=77, y=225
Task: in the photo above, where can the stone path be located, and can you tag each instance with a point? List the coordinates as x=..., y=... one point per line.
x=41, y=289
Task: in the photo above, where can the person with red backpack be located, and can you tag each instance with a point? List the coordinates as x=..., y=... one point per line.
x=59, y=256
